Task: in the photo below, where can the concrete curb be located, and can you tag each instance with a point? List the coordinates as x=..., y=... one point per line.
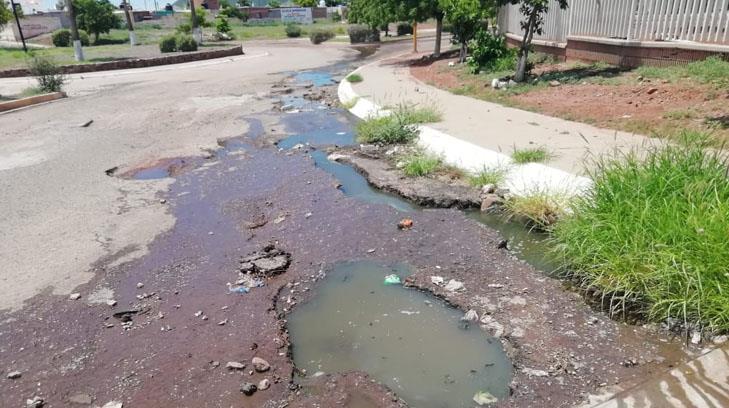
x=29, y=101
x=522, y=180
x=177, y=58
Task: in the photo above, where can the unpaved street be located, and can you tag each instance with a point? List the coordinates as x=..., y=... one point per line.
x=147, y=213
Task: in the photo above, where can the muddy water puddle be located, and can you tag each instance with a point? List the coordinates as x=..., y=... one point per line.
x=409, y=340
x=317, y=78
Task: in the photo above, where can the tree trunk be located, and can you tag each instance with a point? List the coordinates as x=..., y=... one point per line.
x=415, y=37
x=196, y=31
x=462, y=53
x=130, y=25
x=438, y=34
x=521, y=65
x=78, y=52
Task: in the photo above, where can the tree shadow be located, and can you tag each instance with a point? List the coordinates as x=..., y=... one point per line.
x=721, y=122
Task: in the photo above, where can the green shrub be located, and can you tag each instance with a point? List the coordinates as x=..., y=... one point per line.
x=336, y=17
x=83, y=36
x=49, y=75
x=319, y=35
x=420, y=164
x=293, y=30
x=650, y=238
x=222, y=25
x=184, y=28
x=404, y=29
x=186, y=43
x=363, y=34
x=354, y=78
x=233, y=12
x=168, y=44
x=531, y=155
x=61, y=38
x=488, y=52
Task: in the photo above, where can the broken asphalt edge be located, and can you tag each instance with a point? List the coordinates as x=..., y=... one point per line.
x=521, y=179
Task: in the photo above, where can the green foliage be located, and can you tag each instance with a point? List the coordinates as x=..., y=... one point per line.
x=336, y=17
x=233, y=12
x=650, y=238
x=390, y=129
x=490, y=53
x=293, y=30
x=49, y=75
x=168, y=44
x=186, y=43
x=6, y=13
x=96, y=17
x=274, y=3
x=417, y=115
x=420, y=164
x=488, y=175
x=712, y=70
x=306, y=3
x=363, y=34
x=404, y=29
x=244, y=3
x=539, y=209
x=531, y=155
x=184, y=28
x=466, y=18
x=222, y=25
x=61, y=38
x=319, y=35
x=354, y=78
x=201, y=16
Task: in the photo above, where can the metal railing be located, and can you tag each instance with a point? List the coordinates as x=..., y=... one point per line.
x=701, y=21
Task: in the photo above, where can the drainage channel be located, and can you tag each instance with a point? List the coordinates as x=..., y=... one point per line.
x=409, y=340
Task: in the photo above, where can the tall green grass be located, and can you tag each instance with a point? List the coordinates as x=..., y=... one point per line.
x=531, y=155
x=420, y=164
x=652, y=237
x=712, y=70
x=398, y=126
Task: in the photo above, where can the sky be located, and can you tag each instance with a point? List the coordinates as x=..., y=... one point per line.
x=45, y=5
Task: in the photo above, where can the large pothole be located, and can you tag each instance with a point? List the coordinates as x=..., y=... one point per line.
x=407, y=339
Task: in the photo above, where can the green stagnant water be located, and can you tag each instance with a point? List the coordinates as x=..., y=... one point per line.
x=409, y=340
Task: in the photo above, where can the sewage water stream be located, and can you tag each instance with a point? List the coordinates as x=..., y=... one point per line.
x=409, y=340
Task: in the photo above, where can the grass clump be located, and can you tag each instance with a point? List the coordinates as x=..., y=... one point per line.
x=354, y=78
x=651, y=237
x=488, y=175
x=420, y=164
x=539, y=209
x=391, y=129
x=712, y=70
x=418, y=114
x=48, y=74
x=531, y=155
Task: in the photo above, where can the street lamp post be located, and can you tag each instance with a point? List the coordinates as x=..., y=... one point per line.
x=17, y=21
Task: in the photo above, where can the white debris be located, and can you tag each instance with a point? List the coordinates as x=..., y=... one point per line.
x=437, y=280
x=454, y=285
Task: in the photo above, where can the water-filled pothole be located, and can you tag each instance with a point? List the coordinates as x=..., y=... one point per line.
x=318, y=78
x=161, y=169
x=409, y=340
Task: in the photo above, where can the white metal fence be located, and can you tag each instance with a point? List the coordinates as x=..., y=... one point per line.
x=704, y=21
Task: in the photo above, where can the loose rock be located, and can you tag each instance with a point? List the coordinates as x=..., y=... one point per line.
x=405, y=223
x=14, y=375
x=264, y=384
x=248, y=388
x=35, y=402
x=484, y=398
x=470, y=316
x=234, y=365
x=113, y=404
x=75, y=296
x=454, y=285
x=260, y=364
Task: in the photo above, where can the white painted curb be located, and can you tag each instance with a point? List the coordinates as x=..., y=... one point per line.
x=521, y=180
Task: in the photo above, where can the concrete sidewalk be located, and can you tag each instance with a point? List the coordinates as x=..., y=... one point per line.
x=492, y=126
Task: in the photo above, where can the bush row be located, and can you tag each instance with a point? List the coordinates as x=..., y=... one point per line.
x=62, y=38
x=180, y=42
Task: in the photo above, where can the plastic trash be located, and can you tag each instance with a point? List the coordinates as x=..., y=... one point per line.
x=484, y=398
x=392, y=280
x=238, y=289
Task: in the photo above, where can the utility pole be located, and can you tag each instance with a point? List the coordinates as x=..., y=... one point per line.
x=17, y=21
x=130, y=24
x=196, y=32
x=78, y=52
x=415, y=37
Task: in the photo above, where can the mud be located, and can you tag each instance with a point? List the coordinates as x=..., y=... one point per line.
x=174, y=352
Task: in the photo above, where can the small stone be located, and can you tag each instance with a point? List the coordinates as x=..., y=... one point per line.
x=470, y=316
x=652, y=91
x=488, y=189
x=111, y=303
x=535, y=373
x=35, y=402
x=405, y=223
x=489, y=201
x=437, y=280
x=307, y=215
x=162, y=201
x=554, y=83
x=248, y=388
x=371, y=251
x=234, y=365
x=198, y=313
x=75, y=296
x=260, y=364
x=495, y=285
x=264, y=384
x=140, y=285
x=454, y=285
x=720, y=339
x=14, y=375
x=113, y=404
x=222, y=322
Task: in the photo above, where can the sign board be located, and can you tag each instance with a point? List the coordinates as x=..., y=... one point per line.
x=298, y=15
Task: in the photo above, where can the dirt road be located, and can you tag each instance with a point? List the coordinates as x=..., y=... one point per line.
x=155, y=323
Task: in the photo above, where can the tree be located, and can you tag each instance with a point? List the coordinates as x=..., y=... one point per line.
x=61, y=5
x=96, y=17
x=244, y=3
x=466, y=17
x=374, y=13
x=6, y=13
x=306, y=3
x=533, y=12
x=274, y=3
